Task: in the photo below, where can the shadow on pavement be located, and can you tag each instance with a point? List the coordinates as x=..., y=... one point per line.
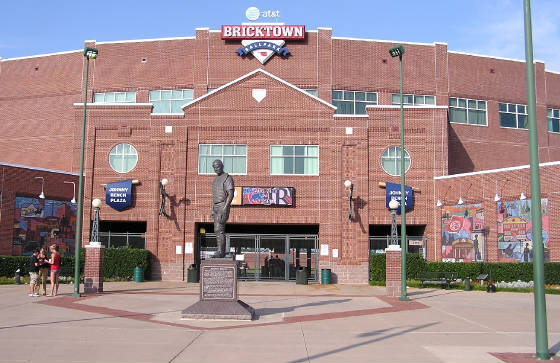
x=271, y=311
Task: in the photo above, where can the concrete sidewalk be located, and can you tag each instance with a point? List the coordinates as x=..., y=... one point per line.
x=141, y=322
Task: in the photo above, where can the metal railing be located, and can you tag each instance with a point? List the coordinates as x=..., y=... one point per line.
x=415, y=244
x=119, y=240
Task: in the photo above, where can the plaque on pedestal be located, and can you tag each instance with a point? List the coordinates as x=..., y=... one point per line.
x=218, y=293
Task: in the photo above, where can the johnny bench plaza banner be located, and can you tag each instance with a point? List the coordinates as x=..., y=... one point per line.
x=393, y=191
x=118, y=195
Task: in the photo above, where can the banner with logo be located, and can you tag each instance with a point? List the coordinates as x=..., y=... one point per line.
x=118, y=195
x=276, y=196
x=393, y=191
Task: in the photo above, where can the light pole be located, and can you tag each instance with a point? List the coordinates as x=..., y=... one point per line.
x=89, y=53
x=398, y=51
x=96, y=203
x=393, y=205
x=541, y=334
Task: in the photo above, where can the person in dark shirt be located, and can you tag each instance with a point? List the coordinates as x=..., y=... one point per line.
x=33, y=272
x=44, y=271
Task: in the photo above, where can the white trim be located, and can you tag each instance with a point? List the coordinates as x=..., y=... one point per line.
x=43, y=55
x=144, y=40
x=492, y=171
x=549, y=71
x=250, y=74
x=118, y=104
x=323, y=28
x=215, y=31
x=39, y=169
x=485, y=56
x=407, y=106
x=343, y=115
x=383, y=41
x=393, y=248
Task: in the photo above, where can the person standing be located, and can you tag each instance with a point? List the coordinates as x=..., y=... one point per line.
x=33, y=272
x=54, y=261
x=44, y=270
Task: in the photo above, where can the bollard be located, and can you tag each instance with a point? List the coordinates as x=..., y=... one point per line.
x=17, y=278
x=468, y=284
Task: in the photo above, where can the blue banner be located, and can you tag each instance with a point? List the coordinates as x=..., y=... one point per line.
x=118, y=195
x=263, y=45
x=394, y=191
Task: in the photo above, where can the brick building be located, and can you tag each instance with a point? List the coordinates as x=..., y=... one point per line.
x=300, y=124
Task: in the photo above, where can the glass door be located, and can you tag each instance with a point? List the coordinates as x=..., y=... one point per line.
x=303, y=254
x=274, y=265
x=244, y=247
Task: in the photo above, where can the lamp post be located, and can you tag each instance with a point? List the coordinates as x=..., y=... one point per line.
x=398, y=51
x=89, y=53
x=541, y=334
x=73, y=201
x=96, y=203
x=393, y=205
x=42, y=195
x=349, y=185
x=164, y=195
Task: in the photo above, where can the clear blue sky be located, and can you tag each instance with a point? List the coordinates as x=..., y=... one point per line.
x=488, y=27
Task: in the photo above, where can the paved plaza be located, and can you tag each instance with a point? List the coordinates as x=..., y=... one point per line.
x=141, y=322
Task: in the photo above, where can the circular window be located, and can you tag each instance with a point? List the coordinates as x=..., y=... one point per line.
x=123, y=158
x=391, y=160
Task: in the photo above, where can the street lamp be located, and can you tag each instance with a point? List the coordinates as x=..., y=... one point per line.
x=73, y=201
x=89, y=53
x=164, y=195
x=349, y=185
x=541, y=334
x=393, y=205
x=42, y=195
x=96, y=203
x=398, y=51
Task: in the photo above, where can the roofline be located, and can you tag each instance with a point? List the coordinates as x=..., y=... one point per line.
x=117, y=104
x=145, y=40
x=407, y=106
x=38, y=169
x=491, y=56
x=386, y=41
x=250, y=74
x=492, y=171
x=42, y=55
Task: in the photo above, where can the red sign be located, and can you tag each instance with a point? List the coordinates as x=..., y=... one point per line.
x=265, y=31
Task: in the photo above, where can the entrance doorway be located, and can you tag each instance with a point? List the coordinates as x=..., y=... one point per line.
x=267, y=256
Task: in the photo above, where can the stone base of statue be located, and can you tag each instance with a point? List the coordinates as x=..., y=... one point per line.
x=218, y=293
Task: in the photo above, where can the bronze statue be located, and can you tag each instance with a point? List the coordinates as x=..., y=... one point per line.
x=222, y=195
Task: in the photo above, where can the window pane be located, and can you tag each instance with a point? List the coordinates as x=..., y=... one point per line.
x=276, y=165
x=522, y=121
x=177, y=94
x=452, y=102
x=311, y=166
x=155, y=96
x=502, y=107
x=361, y=108
x=360, y=96
x=462, y=102
x=521, y=109
x=312, y=92
x=336, y=95
x=276, y=150
x=287, y=150
x=348, y=95
x=556, y=113
x=396, y=99
x=407, y=99
x=120, y=97
x=188, y=94
x=472, y=104
x=477, y=117
x=313, y=150
x=556, y=125
x=389, y=166
x=458, y=115
x=116, y=162
x=165, y=95
x=239, y=165
x=511, y=107
x=344, y=107
x=203, y=149
x=430, y=100
x=288, y=165
x=240, y=149
x=371, y=96
x=508, y=120
x=160, y=107
x=299, y=166
x=482, y=105
x=98, y=97
x=110, y=97
x=300, y=150
x=228, y=150
x=131, y=97
x=216, y=150
x=228, y=164
x=419, y=100
x=176, y=106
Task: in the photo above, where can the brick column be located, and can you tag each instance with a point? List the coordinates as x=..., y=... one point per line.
x=93, y=270
x=393, y=270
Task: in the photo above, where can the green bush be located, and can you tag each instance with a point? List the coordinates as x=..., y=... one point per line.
x=501, y=271
x=117, y=263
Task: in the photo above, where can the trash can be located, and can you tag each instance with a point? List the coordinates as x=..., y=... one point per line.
x=192, y=273
x=138, y=274
x=325, y=276
x=301, y=276
x=468, y=284
x=17, y=278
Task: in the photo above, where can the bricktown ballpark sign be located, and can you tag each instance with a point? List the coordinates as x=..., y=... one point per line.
x=263, y=40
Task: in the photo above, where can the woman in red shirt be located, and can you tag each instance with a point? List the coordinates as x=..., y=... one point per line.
x=55, y=269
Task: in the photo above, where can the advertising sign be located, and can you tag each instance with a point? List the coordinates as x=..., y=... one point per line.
x=276, y=196
x=118, y=195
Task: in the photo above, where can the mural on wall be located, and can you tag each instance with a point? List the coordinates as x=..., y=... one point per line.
x=462, y=233
x=43, y=222
x=515, y=242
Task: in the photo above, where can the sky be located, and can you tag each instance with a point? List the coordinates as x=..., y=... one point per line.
x=486, y=27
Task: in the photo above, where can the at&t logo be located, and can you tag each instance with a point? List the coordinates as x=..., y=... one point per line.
x=253, y=13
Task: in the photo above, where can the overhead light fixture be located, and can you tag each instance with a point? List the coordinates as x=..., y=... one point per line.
x=42, y=195
x=349, y=185
x=439, y=204
x=522, y=196
x=497, y=198
x=73, y=200
x=460, y=201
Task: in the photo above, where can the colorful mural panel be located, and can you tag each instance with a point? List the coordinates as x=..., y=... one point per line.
x=515, y=242
x=43, y=222
x=462, y=231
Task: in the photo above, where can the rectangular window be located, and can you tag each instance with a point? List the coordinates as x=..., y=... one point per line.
x=170, y=101
x=114, y=97
x=353, y=102
x=513, y=115
x=413, y=100
x=553, y=118
x=466, y=111
x=312, y=92
x=294, y=160
x=234, y=158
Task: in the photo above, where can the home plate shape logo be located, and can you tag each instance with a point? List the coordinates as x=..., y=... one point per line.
x=263, y=50
x=263, y=40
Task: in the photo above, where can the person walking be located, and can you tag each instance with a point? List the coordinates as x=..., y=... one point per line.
x=44, y=271
x=54, y=261
x=33, y=272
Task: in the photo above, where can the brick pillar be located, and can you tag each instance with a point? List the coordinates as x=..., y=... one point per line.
x=393, y=271
x=93, y=270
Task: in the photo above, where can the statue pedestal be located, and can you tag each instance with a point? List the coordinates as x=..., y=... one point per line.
x=218, y=293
